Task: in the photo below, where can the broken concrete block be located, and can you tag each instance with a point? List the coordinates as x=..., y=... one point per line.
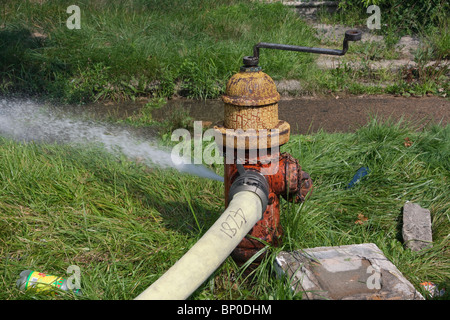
x=416, y=229
x=353, y=272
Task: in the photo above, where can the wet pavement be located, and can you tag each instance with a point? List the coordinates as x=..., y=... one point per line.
x=308, y=115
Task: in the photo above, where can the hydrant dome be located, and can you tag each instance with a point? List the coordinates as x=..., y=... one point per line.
x=254, y=88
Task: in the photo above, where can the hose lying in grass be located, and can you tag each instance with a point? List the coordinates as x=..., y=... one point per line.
x=188, y=273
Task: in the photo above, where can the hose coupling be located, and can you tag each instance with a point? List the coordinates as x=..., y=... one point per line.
x=251, y=180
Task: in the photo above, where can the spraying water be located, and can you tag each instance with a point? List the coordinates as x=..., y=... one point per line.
x=28, y=121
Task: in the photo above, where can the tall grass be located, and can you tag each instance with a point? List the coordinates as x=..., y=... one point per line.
x=125, y=224
x=130, y=48
x=371, y=210
x=62, y=206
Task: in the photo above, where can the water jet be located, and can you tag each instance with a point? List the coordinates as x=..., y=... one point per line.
x=24, y=120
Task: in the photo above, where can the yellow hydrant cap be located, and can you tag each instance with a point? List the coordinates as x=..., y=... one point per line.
x=251, y=87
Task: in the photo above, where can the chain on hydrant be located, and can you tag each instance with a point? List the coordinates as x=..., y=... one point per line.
x=251, y=136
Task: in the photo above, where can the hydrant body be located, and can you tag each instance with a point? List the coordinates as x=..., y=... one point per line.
x=251, y=136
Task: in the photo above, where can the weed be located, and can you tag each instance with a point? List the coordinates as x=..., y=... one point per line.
x=144, y=116
x=87, y=83
x=197, y=82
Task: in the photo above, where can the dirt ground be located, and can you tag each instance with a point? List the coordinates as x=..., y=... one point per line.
x=307, y=115
x=348, y=114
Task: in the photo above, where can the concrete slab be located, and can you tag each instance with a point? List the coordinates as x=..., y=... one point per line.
x=353, y=272
x=416, y=231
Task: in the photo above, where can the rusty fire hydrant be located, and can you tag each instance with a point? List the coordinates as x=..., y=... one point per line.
x=251, y=136
x=251, y=110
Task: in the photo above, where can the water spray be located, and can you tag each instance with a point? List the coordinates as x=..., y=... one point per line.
x=28, y=121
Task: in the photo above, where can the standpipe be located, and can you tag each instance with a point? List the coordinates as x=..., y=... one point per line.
x=251, y=135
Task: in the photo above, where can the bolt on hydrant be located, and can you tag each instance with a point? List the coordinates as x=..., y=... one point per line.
x=251, y=137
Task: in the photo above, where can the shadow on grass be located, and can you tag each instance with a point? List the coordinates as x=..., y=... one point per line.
x=23, y=67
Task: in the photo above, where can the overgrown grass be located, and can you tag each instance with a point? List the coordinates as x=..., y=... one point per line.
x=131, y=48
x=425, y=20
x=125, y=224
x=398, y=17
x=128, y=49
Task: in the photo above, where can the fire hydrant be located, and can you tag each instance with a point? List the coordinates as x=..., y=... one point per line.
x=251, y=137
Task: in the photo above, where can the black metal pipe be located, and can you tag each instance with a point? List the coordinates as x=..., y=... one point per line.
x=350, y=35
x=289, y=47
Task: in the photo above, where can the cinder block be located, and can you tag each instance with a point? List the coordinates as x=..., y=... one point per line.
x=352, y=272
x=416, y=230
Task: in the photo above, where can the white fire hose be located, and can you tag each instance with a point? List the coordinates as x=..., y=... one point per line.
x=187, y=274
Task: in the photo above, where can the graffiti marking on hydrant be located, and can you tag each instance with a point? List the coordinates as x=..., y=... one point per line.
x=233, y=222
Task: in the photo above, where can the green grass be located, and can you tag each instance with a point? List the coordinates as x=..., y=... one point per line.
x=131, y=48
x=426, y=20
x=128, y=49
x=125, y=224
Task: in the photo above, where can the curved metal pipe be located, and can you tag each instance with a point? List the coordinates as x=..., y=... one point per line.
x=350, y=35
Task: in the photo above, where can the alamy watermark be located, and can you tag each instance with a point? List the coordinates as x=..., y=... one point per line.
x=374, y=21
x=74, y=281
x=74, y=21
x=257, y=146
x=374, y=280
